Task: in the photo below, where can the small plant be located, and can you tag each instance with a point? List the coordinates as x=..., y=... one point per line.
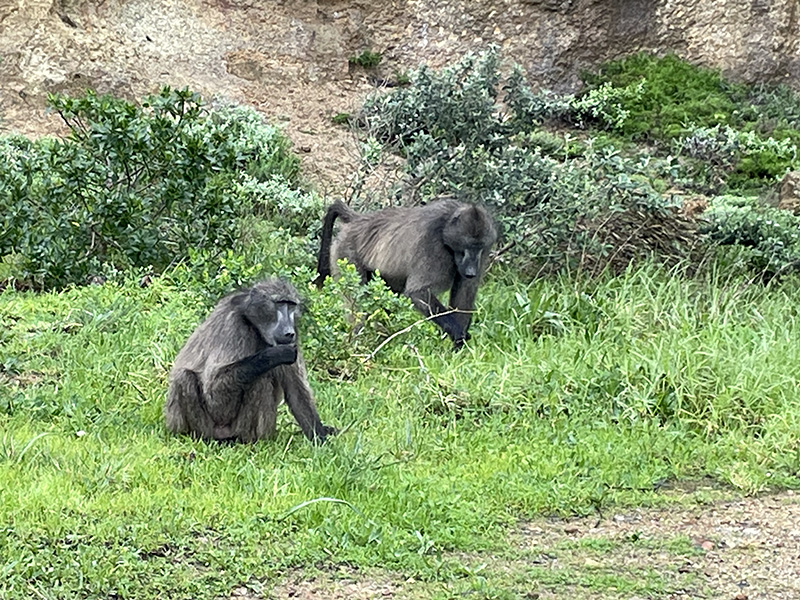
x=348, y=334
x=371, y=151
x=402, y=78
x=367, y=59
x=341, y=118
x=605, y=104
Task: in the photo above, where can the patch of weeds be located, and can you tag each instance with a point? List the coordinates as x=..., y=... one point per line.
x=367, y=59
x=402, y=78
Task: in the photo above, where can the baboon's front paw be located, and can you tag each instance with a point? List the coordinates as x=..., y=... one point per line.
x=458, y=343
x=326, y=432
x=286, y=354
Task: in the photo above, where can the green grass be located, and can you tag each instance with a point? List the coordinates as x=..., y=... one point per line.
x=570, y=397
x=367, y=59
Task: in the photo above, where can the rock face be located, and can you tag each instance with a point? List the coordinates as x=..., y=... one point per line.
x=289, y=58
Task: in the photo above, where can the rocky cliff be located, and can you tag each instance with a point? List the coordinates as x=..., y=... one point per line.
x=289, y=58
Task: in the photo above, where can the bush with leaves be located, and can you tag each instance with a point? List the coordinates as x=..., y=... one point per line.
x=672, y=94
x=456, y=106
x=353, y=320
x=458, y=139
x=723, y=155
x=768, y=238
x=529, y=109
x=603, y=106
x=132, y=185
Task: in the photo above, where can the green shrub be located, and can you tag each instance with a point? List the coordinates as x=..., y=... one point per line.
x=769, y=238
x=775, y=110
x=352, y=320
x=549, y=196
x=295, y=210
x=739, y=160
x=455, y=105
x=134, y=185
x=730, y=137
x=670, y=95
x=529, y=109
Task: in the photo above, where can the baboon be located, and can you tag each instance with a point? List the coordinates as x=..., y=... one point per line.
x=229, y=377
x=419, y=251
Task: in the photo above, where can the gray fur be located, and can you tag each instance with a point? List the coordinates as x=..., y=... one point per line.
x=420, y=252
x=230, y=376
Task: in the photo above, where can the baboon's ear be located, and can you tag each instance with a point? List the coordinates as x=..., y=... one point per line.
x=241, y=299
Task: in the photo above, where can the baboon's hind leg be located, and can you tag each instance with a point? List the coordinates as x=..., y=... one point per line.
x=186, y=411
x=258, y=415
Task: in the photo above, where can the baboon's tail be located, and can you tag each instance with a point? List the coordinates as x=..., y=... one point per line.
x=337, y=210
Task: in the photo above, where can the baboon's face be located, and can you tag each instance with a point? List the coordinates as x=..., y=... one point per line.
x=469, y=234
x=282, y=329
x=273, y=318
x=468, y=261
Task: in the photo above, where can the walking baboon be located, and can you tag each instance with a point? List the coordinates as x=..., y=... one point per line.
x=419, y=251
x=229, y=377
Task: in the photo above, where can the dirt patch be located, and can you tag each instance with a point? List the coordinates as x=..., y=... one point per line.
x=741, y=549
x=22, y=379
x=343, y=584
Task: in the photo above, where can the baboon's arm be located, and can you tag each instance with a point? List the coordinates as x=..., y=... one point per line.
x=300, y=401
x=462, y=298
x=226, y=384
x=428, y=304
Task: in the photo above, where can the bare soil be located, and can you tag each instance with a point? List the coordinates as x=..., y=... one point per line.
x=737, y=549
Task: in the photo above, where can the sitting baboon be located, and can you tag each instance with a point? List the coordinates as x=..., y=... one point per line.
x=229, y=377
x=419, y=251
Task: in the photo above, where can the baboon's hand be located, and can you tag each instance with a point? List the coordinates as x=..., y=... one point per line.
x=326, y=432
x=459, y=342
x=284, y=354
